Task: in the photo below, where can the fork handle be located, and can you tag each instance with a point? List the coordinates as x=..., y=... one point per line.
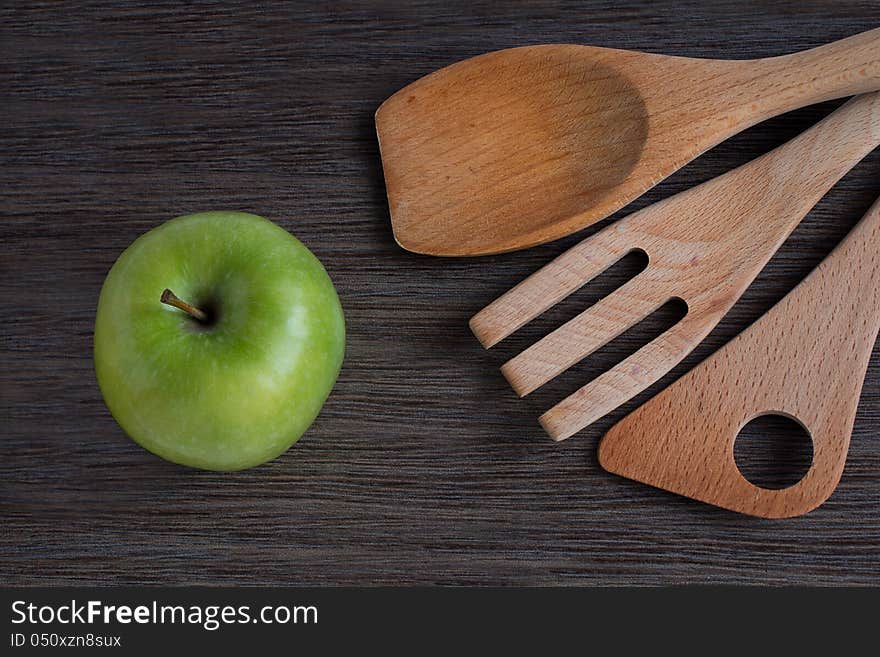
x=830, y=149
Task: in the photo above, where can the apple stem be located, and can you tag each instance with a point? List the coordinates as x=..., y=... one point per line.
x=168, y=297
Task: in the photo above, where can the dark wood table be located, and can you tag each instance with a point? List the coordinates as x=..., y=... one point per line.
x=424, y=467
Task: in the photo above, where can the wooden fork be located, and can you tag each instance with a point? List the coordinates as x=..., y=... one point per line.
x=704, y=246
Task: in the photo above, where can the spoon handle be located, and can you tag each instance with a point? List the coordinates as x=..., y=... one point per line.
x=843, y=68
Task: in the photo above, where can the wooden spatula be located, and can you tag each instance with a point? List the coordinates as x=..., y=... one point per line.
x=523, y=146
x=805, y=359
x=704, y=245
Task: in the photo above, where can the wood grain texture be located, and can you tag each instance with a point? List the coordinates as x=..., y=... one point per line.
x=120, y=116
x=523, y=146
x=704, y=247
x=804, y=360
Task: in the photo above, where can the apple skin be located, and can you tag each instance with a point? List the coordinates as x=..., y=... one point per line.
x=240, y=391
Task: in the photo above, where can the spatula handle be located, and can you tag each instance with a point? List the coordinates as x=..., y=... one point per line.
x=843, y=68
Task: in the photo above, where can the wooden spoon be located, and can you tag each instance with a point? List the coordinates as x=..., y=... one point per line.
x=805, y=359
x=523, y=146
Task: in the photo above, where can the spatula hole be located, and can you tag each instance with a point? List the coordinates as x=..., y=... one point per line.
x=773, y=451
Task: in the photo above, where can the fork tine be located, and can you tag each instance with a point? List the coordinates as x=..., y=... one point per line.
x=548, y=286
x=578, y=338
x=624, y=381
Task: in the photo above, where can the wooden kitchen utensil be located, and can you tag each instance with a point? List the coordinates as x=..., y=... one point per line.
x=704, y=246
x=805, y=359
x=523, y=146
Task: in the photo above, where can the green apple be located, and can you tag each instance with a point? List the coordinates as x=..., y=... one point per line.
x=218, y=338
